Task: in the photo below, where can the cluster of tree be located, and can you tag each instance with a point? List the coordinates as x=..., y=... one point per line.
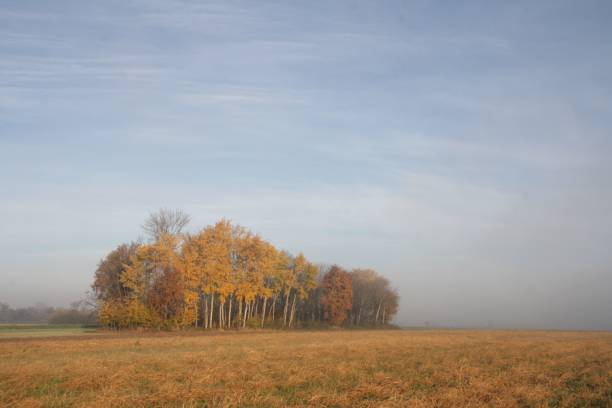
x=32, y=314
x=42, y=314
x=225, y=276
x=74, y=315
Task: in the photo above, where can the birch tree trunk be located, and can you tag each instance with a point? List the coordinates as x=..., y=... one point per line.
x=212, y=308
x=205, y=312
x=229, y=314
x=239, y=316
x=246, y=313
x=292, y=311
x=286, y=306
x=377, y=312
x=263, y=312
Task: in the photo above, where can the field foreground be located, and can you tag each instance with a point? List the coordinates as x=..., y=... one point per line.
x=300, y=368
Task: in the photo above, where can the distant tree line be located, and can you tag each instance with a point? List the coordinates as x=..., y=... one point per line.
x=225, y=276
x=42, y=314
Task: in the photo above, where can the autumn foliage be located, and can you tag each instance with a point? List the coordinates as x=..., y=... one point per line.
x=224, y=276
x=337, y=297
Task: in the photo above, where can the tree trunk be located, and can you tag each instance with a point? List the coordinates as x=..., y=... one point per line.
x=286, y=306
x=273, y=306
x=292, y=311
x=246, y=312
x=205, y=312
x=239, y=316
x=212, y=308
x=263, y=312
x=197, y=305
x=229, y=314
x=377, y=312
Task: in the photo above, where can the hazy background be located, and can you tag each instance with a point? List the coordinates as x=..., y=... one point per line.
x=462, y=149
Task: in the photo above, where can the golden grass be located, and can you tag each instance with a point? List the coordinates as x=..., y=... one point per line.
x=325, y=368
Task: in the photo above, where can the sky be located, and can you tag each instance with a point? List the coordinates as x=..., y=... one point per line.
x=461, y=149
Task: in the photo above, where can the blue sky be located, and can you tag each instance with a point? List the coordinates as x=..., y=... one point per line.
x=460, y=148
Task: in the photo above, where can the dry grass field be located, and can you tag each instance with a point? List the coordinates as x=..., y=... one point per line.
x=43, y=330
x=300, y=368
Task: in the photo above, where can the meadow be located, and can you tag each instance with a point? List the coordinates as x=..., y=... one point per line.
x=334, y=368
x=43, y=330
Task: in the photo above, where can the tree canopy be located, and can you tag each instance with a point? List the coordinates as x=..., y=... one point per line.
x=225, y=276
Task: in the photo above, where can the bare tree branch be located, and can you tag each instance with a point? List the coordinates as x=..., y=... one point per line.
x=165, y=221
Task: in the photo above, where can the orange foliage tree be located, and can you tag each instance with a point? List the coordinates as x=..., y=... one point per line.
x=337, y=297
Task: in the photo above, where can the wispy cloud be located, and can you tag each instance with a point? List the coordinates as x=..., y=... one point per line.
x=11, y=15
x=241, y=95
